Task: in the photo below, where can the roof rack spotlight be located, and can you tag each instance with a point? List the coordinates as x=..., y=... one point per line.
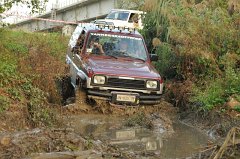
x=111, y=27
x=131, y=29
x=121, y=28
x=101, y=26
x=106, y=26
x=116, y=27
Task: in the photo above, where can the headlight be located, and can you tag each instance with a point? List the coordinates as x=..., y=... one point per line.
x=99, y=79
x=151, y=84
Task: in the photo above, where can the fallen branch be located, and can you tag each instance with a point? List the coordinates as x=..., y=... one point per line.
x=229, y=141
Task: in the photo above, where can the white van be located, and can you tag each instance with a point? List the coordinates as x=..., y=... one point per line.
x=124, y=18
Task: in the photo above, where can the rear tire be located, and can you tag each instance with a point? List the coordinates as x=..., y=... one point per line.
x=67, y=90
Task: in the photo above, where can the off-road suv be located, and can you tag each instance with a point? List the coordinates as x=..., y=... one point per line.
x=112, y=63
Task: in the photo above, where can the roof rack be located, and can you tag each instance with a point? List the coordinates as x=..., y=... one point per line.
x=120, y=28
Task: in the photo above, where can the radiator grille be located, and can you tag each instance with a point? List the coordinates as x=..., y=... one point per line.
x=126, y=83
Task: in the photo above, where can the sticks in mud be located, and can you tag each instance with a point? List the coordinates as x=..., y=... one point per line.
x=230, y=140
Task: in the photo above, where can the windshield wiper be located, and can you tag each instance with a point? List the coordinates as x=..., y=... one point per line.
x=113, y=56
x=110, y=18
x=135, y=58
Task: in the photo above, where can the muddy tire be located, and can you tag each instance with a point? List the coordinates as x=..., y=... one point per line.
x=67, y=90
x=81, y=100
x=101, y=106
x=80, y=96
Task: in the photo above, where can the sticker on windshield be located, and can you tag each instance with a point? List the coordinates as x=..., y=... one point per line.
x=89, y=50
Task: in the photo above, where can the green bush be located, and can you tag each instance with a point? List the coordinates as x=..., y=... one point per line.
x=232, y=82
x=198, y=33
x=237, y=108
x=200, y=43
x=167, y=62
x=217, y=91
x=210, y=96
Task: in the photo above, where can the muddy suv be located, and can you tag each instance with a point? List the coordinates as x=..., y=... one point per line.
x=112, y=63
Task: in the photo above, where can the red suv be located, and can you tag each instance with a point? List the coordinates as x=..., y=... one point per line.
x=113, y=64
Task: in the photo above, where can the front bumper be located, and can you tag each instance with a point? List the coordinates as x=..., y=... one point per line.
x=142, y=98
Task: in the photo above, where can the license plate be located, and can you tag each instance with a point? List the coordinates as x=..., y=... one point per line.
x=127, y=134
x=126, y=98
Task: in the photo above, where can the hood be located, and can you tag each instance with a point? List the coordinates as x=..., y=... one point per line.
x=111, y=22
x=122, y=67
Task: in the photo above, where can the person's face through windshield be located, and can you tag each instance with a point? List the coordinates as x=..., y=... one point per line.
x=94, y=40
x=123, y=45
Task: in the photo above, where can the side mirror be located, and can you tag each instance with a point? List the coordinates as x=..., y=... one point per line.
x=153, y=57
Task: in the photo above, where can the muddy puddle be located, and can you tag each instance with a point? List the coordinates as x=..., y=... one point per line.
x=182, y=142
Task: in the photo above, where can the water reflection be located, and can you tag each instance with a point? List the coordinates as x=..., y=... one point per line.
x=136, y=140
x=181, y=144
x=184, y=142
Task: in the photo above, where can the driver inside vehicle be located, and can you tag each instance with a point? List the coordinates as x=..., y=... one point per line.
x=132, y=48
x=123, y=46
x=139, y=50
x=95, y=46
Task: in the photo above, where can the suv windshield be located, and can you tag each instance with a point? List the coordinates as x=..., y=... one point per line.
x=118, y=16
x=116, y=46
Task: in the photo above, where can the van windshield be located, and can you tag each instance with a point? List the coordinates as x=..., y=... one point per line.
x=116, y=46
x=118, y=15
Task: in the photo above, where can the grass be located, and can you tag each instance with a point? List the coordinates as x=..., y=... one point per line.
x=237, y=108
x=30, y=63
x=216, y=92
x=4, y=102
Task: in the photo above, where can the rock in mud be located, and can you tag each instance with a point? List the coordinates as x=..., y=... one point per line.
x=53, y=156
x=89, y=154
x=24, y=143
x=5, y=140
x=232, y=103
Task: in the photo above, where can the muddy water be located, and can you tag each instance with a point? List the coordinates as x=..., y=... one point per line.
x=181, y=143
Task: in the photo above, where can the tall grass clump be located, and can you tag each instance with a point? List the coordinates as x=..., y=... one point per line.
x=200, y=41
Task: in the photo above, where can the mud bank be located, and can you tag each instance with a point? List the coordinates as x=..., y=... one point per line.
x=218, y=127
x=143, y=132
x=102, y=131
